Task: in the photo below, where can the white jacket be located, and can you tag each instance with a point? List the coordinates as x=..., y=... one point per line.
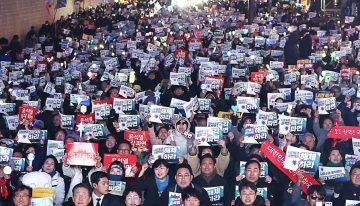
x=59, y=188
x=76, y=177
x=75, y=173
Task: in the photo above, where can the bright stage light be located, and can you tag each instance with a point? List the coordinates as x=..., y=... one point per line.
x=187, y=3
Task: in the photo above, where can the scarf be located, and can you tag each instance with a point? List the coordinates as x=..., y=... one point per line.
x=331, y=164
x=208, y=178
x=52, y=174
x=115, y=177
x=4, y=189
x=161, y=185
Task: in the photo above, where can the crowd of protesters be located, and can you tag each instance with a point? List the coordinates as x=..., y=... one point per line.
x=141, y=51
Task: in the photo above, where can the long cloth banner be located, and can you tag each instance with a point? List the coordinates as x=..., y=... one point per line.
x=277, y=157
x=344, y=132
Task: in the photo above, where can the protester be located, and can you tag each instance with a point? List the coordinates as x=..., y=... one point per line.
x=155, y=186
x=22, y=196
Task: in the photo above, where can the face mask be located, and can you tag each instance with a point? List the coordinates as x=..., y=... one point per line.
x=115, y=177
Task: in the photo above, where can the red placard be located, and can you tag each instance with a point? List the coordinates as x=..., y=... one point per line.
x=257, y=77
x=128, y=160
x=277, y=157
x=81, y=153
x=344, y=132
x=101, y=102
x=181, y=52
x=85, y=118
x=27, y=112
x=139, y=140
x=198, y=33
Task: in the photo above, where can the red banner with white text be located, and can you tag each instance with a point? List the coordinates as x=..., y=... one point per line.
x=344, y=132
x=277, y=157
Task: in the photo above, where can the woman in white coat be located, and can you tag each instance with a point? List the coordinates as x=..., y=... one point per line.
x=49, y=166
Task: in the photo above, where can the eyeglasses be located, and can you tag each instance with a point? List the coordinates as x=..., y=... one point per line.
x=21, y=196
x=355, y=175
x=132, y=197
x=314, y=197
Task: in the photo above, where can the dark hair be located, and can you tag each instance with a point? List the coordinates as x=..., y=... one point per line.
x=252, y=162
x=157, y=131
x=304, y=145
x=328, y=117
x=356, y=166
x=160, y=162
x=190, y=192
x=22, y=187
x=123, y=141
x=247, y=184
x=256, y=156
x=185, y=166
x=96, y=176
x=55, y=161
x=116, y=162
x=130, y=189
x=312, y=32
x=83, y=185
x=207, y=156
x=318, y=188
x=254, y=146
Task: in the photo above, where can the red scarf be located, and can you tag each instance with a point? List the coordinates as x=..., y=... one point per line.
x=3, y=188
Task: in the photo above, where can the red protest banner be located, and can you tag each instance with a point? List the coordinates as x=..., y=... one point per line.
x=138, y=139
x=27, y=113
x=257, y=77
x=101, y=102
x=344, y=132
x=85, y=118
x=277, y=157
x=81, y=153
x=128, y=160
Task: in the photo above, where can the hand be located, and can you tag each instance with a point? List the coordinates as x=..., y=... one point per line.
x=239, y=178
x=231, y=136
x=300, y=175
x=267, y=202
x=134, y=169
x=338, y=112
x=98, y=160
x=241, y=139
x=221, y=143
x=144, y=167
x=181, y=159
x=151, y=159
x=268, y=179
x=316, y=115
x=146, y=119
x=196, y=143
x=64, y=158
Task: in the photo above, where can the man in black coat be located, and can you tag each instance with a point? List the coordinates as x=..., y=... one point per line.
x=183, y=178
x=348, y=190
x=100, y=196
x=209, y=178
x=306, y=45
